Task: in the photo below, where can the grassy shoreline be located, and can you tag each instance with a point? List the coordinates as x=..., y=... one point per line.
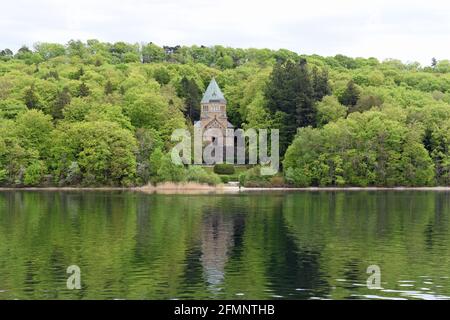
x=193, y=188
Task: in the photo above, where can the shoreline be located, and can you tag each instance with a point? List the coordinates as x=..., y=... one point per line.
x=194, y=188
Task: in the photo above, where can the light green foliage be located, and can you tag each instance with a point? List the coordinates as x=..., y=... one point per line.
x=366, y=149
x=94, y=113
x=104, y=152
x=168, y=171
x=108, y=112
x=34, y=173
x=164, y=170
x=49, y=50
x=33, y=129
x=148, y=161
x=198, y=174
x=253, y=178
x=329, y=110
x=23, y=143
x=155, y=161
x=152, y=110
x=76, y=110
x=10, y=108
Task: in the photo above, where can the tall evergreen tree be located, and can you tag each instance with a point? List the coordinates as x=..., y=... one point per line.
x=109, y=88
x=320, y=83
x=78, y=74
x=192, y=96
x=83, y=90
x=31, y=98
x=290, y=98
x=350, y=96
x=62, y=100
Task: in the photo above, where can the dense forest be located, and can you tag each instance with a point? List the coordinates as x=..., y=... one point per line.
x=93, y=113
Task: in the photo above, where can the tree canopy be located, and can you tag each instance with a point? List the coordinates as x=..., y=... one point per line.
x=96, y=113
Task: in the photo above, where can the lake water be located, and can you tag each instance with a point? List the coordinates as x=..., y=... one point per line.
x=287, y=245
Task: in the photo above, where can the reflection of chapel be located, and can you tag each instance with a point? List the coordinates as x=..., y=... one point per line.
x=213, y=113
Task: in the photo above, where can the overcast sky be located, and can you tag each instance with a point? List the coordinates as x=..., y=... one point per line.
x=406, y=30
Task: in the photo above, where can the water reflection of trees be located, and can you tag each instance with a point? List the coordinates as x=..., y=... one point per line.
x=250, y=245
x=404, y=233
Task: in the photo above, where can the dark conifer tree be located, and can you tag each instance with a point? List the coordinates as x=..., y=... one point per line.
x=79, y=74
x=290, y=98
x=83, y=90
x=62, y=100
x=109, y=88
x=320, y=83
x=31, y=99
x=192, y=96
x=350, y=96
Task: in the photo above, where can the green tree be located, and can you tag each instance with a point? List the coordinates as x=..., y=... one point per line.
x=148, y=142
x=109, y=88
x=364, y=149
x=162, y=76
x=33, y=129
x=329, y=110
x=6, y=54
x=168, y=171
x=34, y=173
x=78, y=74
x=49, y=50
x=10, y=108
x=31, y=98
x=103, y=151
x=192, y=96
x=320, y=84
x=155, y=162
x=365, y=102
x=83, y=90
x=62, y=100
x=290, y=93
x=351, y=95
x=152, y=53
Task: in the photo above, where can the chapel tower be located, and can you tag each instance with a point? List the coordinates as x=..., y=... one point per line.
x=213, y=109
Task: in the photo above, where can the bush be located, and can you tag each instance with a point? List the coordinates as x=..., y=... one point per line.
x=225, y=178
x=198, y=174
x=74, y=174
x=169, y=171
x=34, y=173
x=3, y=175
x=253, y=178
x=277, y=181
x=224, y=168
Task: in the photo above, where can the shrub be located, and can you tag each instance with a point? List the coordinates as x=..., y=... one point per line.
x=3, y=175
x=198, y=174
x=74, y=175
x=170, y=172
x=277, y=181
x=224, y=168
x=34, y=173
x=253, y=178
x=225, y=178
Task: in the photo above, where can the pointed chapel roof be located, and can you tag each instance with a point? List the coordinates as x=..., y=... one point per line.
x=213, y=93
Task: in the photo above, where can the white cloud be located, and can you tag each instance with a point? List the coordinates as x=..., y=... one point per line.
x=406, y=30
